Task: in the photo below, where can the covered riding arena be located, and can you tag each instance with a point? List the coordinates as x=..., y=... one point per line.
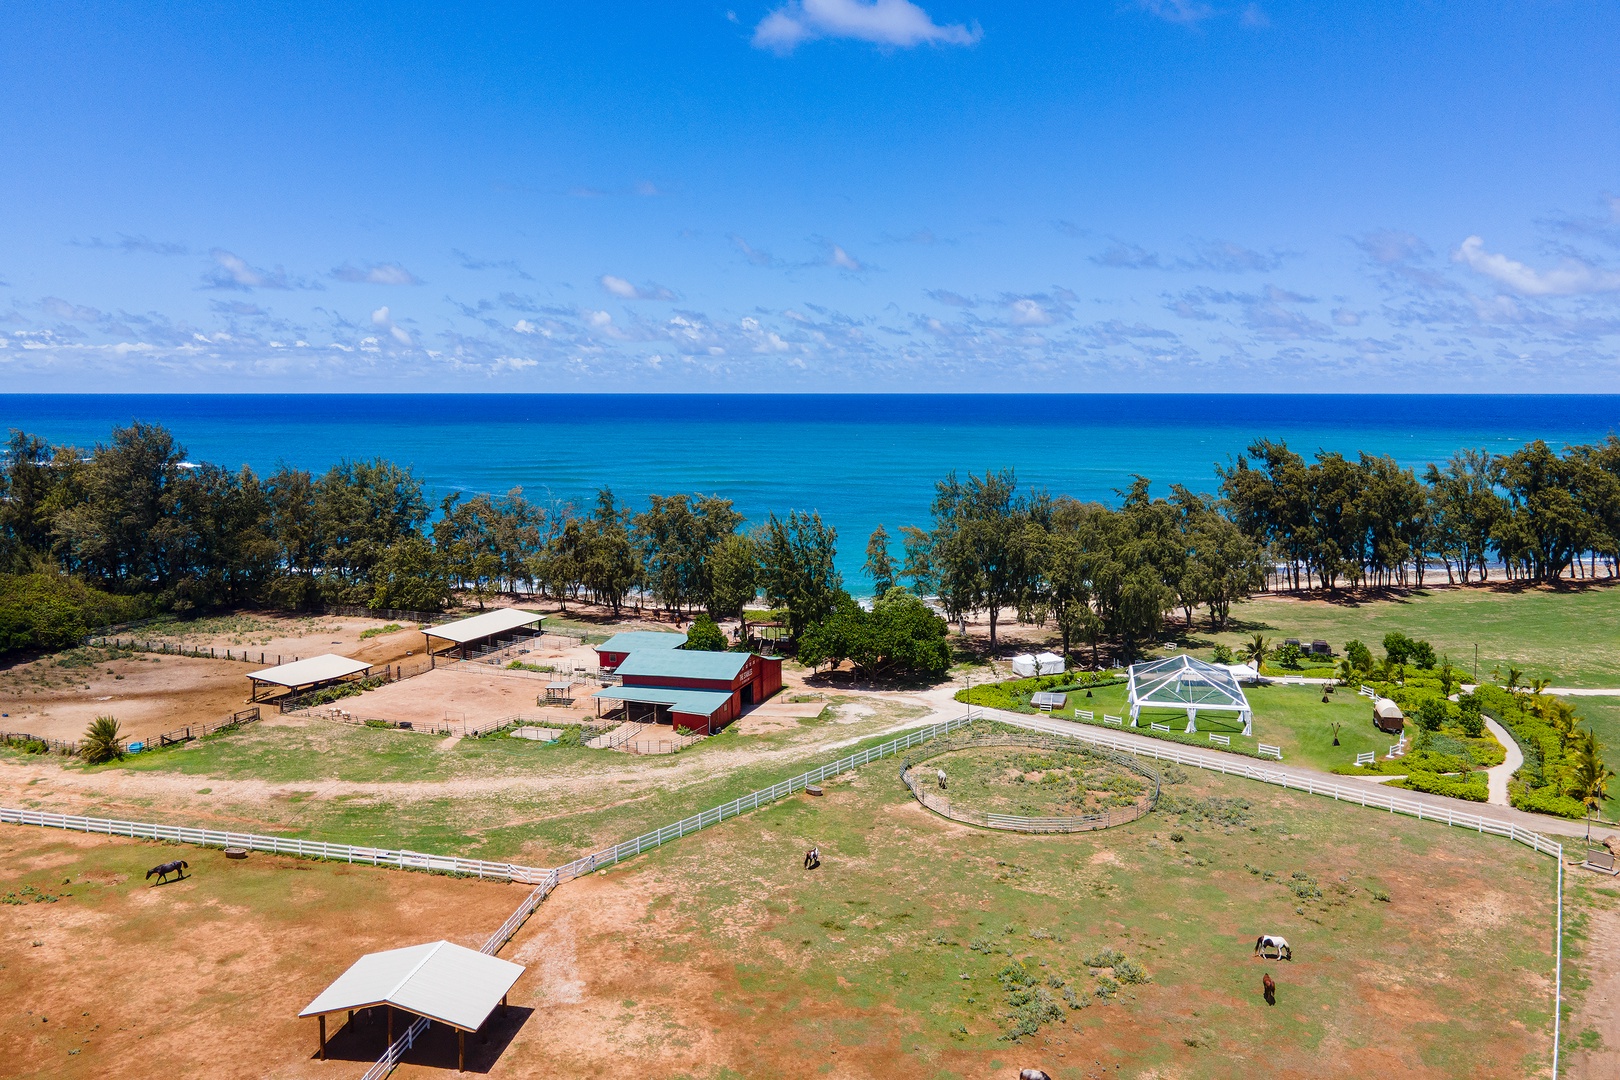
x=304, y=675
x=492, y=629
x=438, y=983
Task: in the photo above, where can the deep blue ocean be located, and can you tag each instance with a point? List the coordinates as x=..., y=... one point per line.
x=858, y=459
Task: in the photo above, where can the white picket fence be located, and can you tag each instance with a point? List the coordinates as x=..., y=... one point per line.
x=1085, y=714
x=399, y=859
x=1113, y=719
x=1160, y=727
x=1220, y=740
x=1269, y=751
x=1368, y=692
x=1366, y=759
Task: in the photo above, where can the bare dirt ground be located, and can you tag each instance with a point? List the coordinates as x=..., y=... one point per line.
x=280, y=638
x=1594, y=1024
x=467, y=694
x=203, y=977
x=147, y=693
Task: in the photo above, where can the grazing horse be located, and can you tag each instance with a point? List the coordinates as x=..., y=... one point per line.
x=177, y=867
x=1033, y=1074
x=812, y=858
x=941, y=774
x=1272, y=941
x=1269, y=989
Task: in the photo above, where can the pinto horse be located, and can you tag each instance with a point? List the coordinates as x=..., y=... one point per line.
x=812, y=858
x=1269, y=989
x=178, y=867
x=1033, y=1074
x=1272, y=941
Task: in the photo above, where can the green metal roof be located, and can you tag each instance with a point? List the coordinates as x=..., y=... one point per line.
x=680, y=664
x=630, y=640
x=693, y=702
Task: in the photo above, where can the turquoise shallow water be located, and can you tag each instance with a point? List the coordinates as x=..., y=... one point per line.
x=858, y=459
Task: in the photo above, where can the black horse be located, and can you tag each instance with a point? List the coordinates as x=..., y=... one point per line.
x=179, y=867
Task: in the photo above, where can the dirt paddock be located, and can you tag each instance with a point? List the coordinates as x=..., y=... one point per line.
x=112, y=977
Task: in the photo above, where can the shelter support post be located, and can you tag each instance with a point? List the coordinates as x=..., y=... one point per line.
x=322, y=1019
x=1247, y=716
x=1192, y=719
x=461, y=1051
x=389, y=1012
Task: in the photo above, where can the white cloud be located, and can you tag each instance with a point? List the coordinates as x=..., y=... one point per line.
x=1573, y=278
x=599, y=319
x=1027, y=312
x=1346, y=317
x=898, y=23
x=524, y=326
x=381, y=318
x=843, y=260
x=1185, y=12
x=231, y=271
x=618, y=286
x=376, y=274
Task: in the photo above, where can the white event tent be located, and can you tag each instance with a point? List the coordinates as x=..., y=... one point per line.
x=1185, y=682
x=1046, y=663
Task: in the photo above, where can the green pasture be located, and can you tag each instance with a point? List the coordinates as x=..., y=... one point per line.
x=923, y=948
x=1567, y=635
x=1292, y=718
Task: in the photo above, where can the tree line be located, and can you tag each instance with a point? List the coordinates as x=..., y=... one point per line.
x=132, y=522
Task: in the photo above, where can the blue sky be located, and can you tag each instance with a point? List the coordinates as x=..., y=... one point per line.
x=817, y=195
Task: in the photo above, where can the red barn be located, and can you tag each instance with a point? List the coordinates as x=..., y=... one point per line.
x=700, y=691
x=611, y=653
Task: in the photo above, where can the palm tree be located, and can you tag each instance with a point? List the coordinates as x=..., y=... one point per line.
x=1257, y=650
x=101, y=741
x=1591, y=777
x=1515, y=681
x=1538, y=685
x=1348, y=673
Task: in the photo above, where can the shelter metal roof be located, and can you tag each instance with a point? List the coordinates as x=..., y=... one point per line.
x=629, y=641
x=680, y=664
x=317, y=669
x=1183, y=680
x=477, y=627
x=692, y=702
x=444, y=982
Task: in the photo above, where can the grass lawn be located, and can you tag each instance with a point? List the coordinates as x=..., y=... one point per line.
x=922, y=947
x=1291, y=718
x=1566, y=635
x=496, y=798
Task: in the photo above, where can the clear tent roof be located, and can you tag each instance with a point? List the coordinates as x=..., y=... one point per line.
x=1181, y=681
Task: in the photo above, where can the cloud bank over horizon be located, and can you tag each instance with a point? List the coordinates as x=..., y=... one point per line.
x=822, y=195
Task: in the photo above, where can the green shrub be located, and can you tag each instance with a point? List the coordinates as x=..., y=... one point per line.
x=1545, y=800
x=1359, y=655
x=705, y=635
x=1471, y=786
x=1222, y=655
x=53, y=611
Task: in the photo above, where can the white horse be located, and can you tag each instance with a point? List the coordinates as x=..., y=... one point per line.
x=1272, y=941
x=941, y=774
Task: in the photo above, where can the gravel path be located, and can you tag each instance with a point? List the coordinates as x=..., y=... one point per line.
x=1498, y=776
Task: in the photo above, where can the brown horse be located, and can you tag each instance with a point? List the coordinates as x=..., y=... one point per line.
x=1269, y=988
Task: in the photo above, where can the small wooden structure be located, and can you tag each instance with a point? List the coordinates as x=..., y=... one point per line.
x=1387, y=716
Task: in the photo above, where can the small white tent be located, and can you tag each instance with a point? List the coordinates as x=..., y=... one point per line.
x=1027, y=666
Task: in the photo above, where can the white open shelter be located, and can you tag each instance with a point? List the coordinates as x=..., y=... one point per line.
x=317, y=670
x=490, y=624
x=1187, y=683
x=1046, y=663
x=439, y=981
